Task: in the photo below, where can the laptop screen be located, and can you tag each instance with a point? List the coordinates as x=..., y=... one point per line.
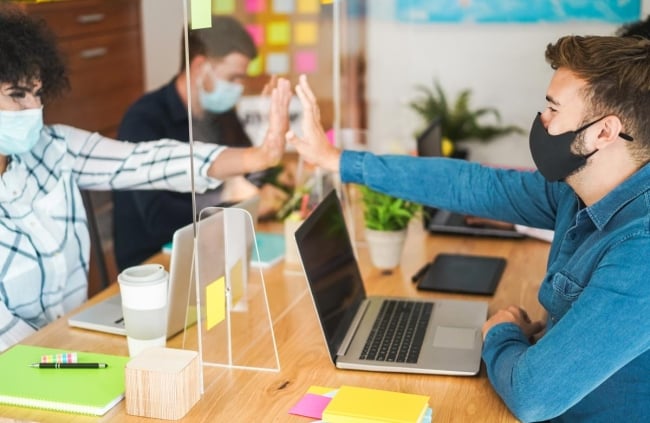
x=429, y=143
x=331, y=269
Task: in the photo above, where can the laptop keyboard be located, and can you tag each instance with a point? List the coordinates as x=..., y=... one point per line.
x=398, y=332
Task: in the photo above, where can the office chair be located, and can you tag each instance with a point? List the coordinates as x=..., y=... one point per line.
x=97, y=257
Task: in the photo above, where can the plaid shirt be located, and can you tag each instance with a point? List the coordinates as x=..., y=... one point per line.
x=44, y=240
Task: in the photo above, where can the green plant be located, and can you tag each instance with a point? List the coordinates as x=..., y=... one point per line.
x=459, y=122
x=383, y=212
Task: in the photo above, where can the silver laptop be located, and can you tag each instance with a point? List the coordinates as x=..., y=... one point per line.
x=106, y=316
x=429, y=144
x=381, y=333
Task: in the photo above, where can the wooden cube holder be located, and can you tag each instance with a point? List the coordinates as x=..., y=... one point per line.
x=162, y=383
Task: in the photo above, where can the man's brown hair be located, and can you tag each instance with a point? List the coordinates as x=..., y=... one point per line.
x=617, y=72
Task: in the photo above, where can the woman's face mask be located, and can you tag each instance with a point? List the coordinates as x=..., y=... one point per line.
x=19, y=130
x=223, y=96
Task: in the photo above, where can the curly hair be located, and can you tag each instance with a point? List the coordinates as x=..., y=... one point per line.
x=617, y=72
x=28, y=53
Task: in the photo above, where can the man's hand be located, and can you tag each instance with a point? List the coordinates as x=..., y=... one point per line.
x=516, y=315
x=314, y=147
x=274, y=141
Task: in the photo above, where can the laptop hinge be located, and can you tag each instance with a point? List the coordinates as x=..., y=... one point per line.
x=354, y=325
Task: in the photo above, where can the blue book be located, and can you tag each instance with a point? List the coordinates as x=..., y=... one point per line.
x=270, y=248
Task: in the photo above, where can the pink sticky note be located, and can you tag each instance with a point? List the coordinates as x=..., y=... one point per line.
x=305, y=62
x=311, y=405
x=257, y=33
x=255, y=6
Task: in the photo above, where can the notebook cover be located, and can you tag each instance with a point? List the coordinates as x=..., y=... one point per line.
x=84, y=391
x=364, y=405
x=462, y=273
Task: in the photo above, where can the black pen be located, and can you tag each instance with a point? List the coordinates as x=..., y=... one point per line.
x=69, y=365
x=420, y=272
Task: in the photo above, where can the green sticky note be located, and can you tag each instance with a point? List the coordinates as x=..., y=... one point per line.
x=223, y=7
x=201, y=14
x=278, y=33
x=255, y=66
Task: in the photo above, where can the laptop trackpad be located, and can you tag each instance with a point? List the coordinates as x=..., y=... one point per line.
x=458, y=338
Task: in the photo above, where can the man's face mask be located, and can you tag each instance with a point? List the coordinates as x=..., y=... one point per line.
x=223, y=96
x=19, y=130
x=552, y=153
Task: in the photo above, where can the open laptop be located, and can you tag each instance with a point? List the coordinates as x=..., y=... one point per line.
x=435, y=337
x=106, y=316
x=429, y=144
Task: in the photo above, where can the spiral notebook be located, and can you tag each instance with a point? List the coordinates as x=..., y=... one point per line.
x=83, y=391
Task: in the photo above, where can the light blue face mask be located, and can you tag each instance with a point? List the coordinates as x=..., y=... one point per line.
x=19, y=130
x=223, y=97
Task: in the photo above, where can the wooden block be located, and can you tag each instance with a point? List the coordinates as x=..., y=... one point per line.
x=162, y=383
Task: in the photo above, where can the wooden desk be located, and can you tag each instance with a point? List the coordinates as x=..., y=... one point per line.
x=247, y=396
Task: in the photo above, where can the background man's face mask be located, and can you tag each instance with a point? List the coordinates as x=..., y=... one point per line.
x=223, y=97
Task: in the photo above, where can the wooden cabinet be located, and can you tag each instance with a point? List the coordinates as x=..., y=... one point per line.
x=101, y=43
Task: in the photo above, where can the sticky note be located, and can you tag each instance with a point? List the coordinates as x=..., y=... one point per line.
x=257, y=33
x=277, y=63
x=215, y=302
x=255, y=6
x=255, y=66
x=305, y=62
x=320, y=390
x=223, y=7
x=237, y=282
x=308, y=6
x=283, y=6
x=305, y=33
x=327, y=1
x=311, y=405
x=201, y=14
x=278, y=33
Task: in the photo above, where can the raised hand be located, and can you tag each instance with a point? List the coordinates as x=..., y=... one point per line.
x=274, y=140
x=314, y=146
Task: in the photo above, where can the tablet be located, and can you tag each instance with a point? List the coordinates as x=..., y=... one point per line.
x=466, y=274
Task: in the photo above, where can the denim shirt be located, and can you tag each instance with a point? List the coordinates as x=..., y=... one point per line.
x=593, y=362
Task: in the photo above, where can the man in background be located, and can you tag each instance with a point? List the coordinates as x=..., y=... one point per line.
x=218, y=60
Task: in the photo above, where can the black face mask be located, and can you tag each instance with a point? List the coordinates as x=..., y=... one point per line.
x=552, y=153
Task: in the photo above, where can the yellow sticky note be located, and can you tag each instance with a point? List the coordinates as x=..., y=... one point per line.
x=237, y=282
x=305, y=33
x=308, y=6
x=201, y=14
x=278, y=33
x=255, y=66
x=222, y=7
x=215, y=302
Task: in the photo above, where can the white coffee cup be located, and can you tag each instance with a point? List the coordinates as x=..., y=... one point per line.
x=143, y=290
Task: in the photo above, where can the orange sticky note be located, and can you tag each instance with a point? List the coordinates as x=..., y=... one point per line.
x=215, y=302
x=305, y=33
x=308, y=6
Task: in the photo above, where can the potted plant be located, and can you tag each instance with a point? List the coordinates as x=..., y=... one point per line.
x=386, y=220
x=458, y=121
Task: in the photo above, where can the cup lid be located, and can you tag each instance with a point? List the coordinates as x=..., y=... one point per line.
x=143, y=274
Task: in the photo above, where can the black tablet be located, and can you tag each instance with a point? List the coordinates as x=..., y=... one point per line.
x=466, y=274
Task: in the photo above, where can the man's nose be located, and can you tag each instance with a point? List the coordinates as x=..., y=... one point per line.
x=545, y=118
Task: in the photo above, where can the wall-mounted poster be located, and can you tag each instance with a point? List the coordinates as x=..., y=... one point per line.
x=519, y=11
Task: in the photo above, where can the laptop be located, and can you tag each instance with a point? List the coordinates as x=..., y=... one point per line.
x=429, y=144
x=106, y=316
x=431, y=337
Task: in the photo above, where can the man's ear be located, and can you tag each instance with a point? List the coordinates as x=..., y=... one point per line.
x=610, y=130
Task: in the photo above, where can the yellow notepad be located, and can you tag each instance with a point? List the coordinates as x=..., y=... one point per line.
x=85, y=391
x=364, y=405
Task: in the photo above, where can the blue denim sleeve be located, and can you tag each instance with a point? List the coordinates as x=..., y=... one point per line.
x=594, y=352
x=522, y=197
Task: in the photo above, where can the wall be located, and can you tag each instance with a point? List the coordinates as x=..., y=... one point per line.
x=503, y=64
x=162, y=27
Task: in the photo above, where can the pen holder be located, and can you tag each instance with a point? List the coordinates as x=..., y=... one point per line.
x=162, y=383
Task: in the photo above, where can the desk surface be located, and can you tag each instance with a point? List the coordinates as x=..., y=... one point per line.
x=247, y=396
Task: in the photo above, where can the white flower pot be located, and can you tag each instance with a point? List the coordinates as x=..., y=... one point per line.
x=385, y=247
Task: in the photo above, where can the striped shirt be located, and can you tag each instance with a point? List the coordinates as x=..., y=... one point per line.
x=44, y=240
